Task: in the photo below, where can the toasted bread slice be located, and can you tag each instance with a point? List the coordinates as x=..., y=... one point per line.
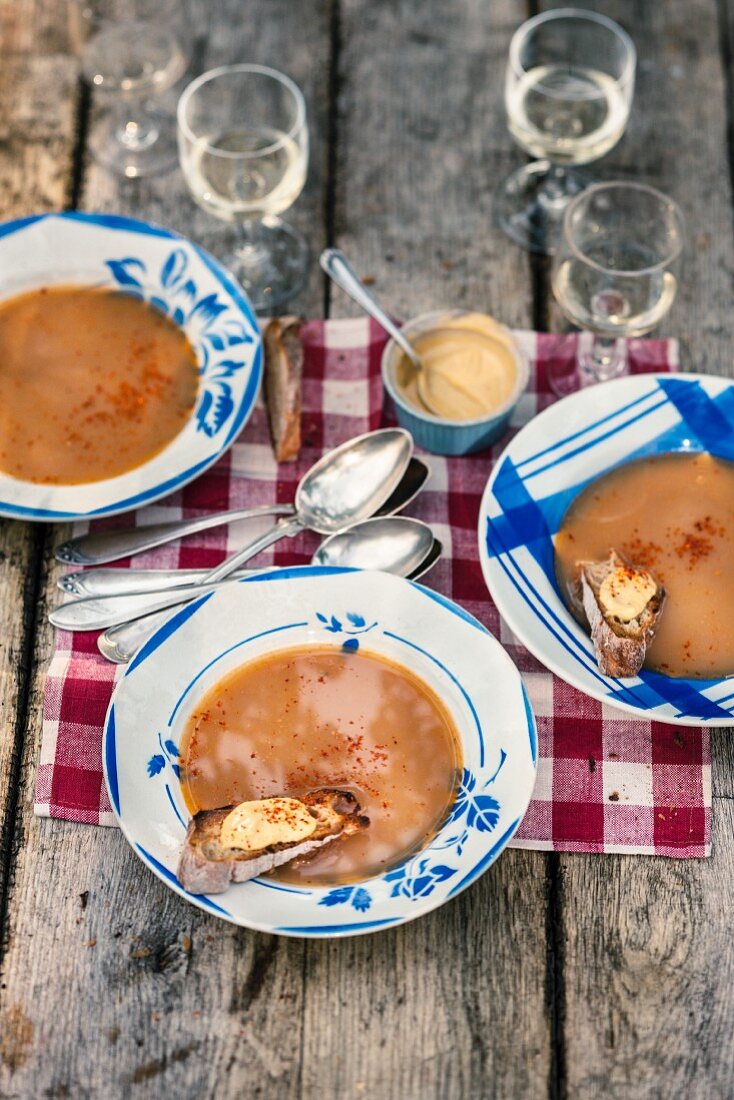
x=282, y=381
x=623, y=605
x=206, y=867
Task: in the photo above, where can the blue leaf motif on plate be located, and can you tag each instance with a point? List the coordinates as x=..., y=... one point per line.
x=483, y=813
x=156, y=764
x=121, y=270
x=418, y=879
x=355, y=620
x=171, y=748
x=174, y=268
x=215, y=409
x=351, y=645
x=207, y=309
x=359, y=898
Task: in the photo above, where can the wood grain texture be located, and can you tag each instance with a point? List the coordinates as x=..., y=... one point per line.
x=645, y=944
x=110, y=986
x=36, y=138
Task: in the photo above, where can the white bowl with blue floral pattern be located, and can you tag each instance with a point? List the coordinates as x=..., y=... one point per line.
x=189, y=286
x=533, y=483
x=383, y=614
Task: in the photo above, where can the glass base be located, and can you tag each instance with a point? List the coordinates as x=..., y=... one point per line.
x=569, y=374
x=532, y=201
x=272, y=266
x=134, y=147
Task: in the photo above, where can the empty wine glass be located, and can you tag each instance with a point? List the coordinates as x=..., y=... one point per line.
x=615, y=273
x=131, y=51
x=568, y=93
x=243, y=146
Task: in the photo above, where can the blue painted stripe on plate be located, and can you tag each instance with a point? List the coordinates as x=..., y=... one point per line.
x=444, y=601
x=170, y=877
x=589, y=428
x=111, y=760
x=477, y=723
x=166, y=631
x=532, y=729
x=486, y=859
x=173, y=806
x=703, y=415
x=230, y=649
x=324, y=929
x=282, y=889
x=293, y=572
x=8, y=228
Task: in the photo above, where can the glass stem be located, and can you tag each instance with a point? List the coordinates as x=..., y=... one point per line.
x=605, y=358
x=135, y=129
x=252, y=250
x=555, y=188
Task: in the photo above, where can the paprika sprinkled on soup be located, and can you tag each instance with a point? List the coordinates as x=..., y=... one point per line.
x=672, y=515
x=315, y=717
x=92, y=384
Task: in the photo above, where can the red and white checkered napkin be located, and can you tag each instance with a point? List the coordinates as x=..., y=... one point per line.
x=606, y=782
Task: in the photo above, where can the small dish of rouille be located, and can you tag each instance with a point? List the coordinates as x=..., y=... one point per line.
x=320, y=752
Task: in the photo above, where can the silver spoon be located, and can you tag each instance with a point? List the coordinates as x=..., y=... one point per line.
x=100, y=547
x=393, y=544
x=120, y=643
x=337, y=267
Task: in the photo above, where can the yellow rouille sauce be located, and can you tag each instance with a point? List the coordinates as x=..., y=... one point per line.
x=469, y=368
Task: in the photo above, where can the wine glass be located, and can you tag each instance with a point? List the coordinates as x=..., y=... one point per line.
x=615, y=273
x=243, y=146
x=568, y=93
x=131, y=51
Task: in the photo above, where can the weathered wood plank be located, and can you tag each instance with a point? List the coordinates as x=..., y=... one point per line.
x=110, y=985
x=452, y=1005
x=645, y=943
x=36, y=141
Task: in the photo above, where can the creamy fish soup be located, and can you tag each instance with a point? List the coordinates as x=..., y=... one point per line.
x=315, y=717
x=673, y=515
x=92, y=384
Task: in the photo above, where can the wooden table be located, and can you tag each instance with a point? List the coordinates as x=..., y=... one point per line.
x=555, y=975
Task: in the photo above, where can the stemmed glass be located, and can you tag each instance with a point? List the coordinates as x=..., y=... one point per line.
x=243, y=146
x=615, y=273
x=568, y=93
x=131, y=51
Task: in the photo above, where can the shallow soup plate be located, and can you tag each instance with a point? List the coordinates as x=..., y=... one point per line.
x=194, y=291
x=353, y=612
x=533, y=483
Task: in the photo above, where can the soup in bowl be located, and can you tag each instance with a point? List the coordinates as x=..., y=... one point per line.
x=358, y=694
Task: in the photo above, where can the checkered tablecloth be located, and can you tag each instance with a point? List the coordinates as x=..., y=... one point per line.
x=607, y=782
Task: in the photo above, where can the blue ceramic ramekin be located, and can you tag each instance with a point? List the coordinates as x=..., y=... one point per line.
x=449, y=437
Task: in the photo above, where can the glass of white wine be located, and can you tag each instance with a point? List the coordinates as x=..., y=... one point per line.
x=616, y=274
x=243, y=146
x=568, y=92
x=131, y=51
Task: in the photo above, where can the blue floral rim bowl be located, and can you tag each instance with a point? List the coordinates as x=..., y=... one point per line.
x=545, y=466
x=190, y=287
x=450, y=437
x=350, y=610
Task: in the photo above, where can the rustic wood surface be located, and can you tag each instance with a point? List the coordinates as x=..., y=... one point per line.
x=553, y=976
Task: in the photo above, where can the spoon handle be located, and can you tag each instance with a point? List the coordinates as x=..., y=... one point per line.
x=122, y=582
x=337, y=267
x=99, y=612
x=103, y=546
x=283, y=528
x=119, y=644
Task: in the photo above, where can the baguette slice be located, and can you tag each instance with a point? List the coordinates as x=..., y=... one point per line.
x=283, y=371
x=206, y=867
x=623, y=605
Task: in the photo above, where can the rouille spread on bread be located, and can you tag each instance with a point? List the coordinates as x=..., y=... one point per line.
x=623, y=605
x=237, y=843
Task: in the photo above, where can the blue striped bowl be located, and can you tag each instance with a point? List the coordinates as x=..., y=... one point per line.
x=545, y=466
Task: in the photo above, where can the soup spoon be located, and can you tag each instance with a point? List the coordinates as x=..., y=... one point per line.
x=392, y=544
x=120, y=643
x=337, y=267
x=100, y=547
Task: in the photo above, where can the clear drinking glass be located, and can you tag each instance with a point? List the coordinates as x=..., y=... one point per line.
x=568, y=93
x=131, y=51
x=243, y=146
x=615, y=273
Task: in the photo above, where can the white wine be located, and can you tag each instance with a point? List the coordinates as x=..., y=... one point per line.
x=611, y=304
x=243, y=173
x=568, y=113
x=133, y=58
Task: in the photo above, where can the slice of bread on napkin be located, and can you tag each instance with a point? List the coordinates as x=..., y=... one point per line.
x=282, y=382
